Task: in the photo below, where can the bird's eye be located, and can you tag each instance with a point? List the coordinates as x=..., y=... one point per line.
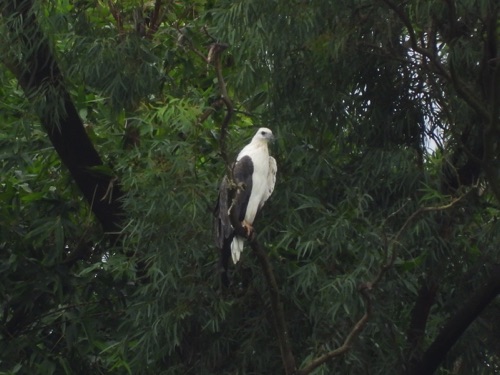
x=263, y=132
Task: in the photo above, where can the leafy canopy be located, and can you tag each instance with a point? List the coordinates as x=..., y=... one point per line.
x=382, y=232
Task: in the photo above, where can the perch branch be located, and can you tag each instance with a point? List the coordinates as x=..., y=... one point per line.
x=272, y=286
x=276, y=306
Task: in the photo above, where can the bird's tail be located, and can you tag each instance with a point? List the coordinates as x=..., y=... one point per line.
x=237, y=248
x=225, y=255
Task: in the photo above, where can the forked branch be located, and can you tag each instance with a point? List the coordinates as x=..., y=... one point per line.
x=367, y=287
x=462, y=89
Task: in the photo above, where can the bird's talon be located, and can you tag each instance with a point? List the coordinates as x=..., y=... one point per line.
x=248, y=228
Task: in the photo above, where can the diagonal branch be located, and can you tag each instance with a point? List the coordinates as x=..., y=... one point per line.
x=419, y=317
x=457, y=324
x=348, y=342
x=278, y=313
x=367, y=287
x=39, y=76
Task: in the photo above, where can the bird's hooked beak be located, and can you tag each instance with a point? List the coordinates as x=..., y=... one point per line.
x=270, y=137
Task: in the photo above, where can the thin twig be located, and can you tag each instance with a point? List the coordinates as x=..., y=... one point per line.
x=183, y=40
x=348, y=342
x=205, y=30
x=462, y=89
x=392, y=252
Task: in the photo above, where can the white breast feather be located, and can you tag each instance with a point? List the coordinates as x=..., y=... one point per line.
x=260, y=160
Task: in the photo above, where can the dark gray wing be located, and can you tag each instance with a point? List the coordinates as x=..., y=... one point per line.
x=222, y=223
x=242, y=174
x=223, y=230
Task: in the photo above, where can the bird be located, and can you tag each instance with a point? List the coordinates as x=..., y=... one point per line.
x=243, y=196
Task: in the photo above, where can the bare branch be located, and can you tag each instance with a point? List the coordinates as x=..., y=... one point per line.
x=205, y=30
x=392, y=251
x=348, y=342
x=367, y=287
x=184, y=41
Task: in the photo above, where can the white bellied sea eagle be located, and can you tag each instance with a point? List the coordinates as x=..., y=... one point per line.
x=253, y=180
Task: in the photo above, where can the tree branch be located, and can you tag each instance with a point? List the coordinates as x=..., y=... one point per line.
x=215, y=57
x=392, y=252
x=41, y=80
x=457, y=324
x=184, y=41
x=462, y=89
x=419, y=316
x=207, y=112
x=276, y=305
x=367, y=287
x=155, y=19
x=115, y=12
x=348, y=342
x=272, y=286
x=491, y=132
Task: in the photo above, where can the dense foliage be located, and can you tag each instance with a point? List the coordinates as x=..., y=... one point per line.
x=382, y=233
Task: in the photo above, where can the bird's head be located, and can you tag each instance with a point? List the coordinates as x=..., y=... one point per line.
x=263, y=135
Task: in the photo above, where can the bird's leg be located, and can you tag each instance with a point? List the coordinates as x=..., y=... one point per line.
x=248, y=227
